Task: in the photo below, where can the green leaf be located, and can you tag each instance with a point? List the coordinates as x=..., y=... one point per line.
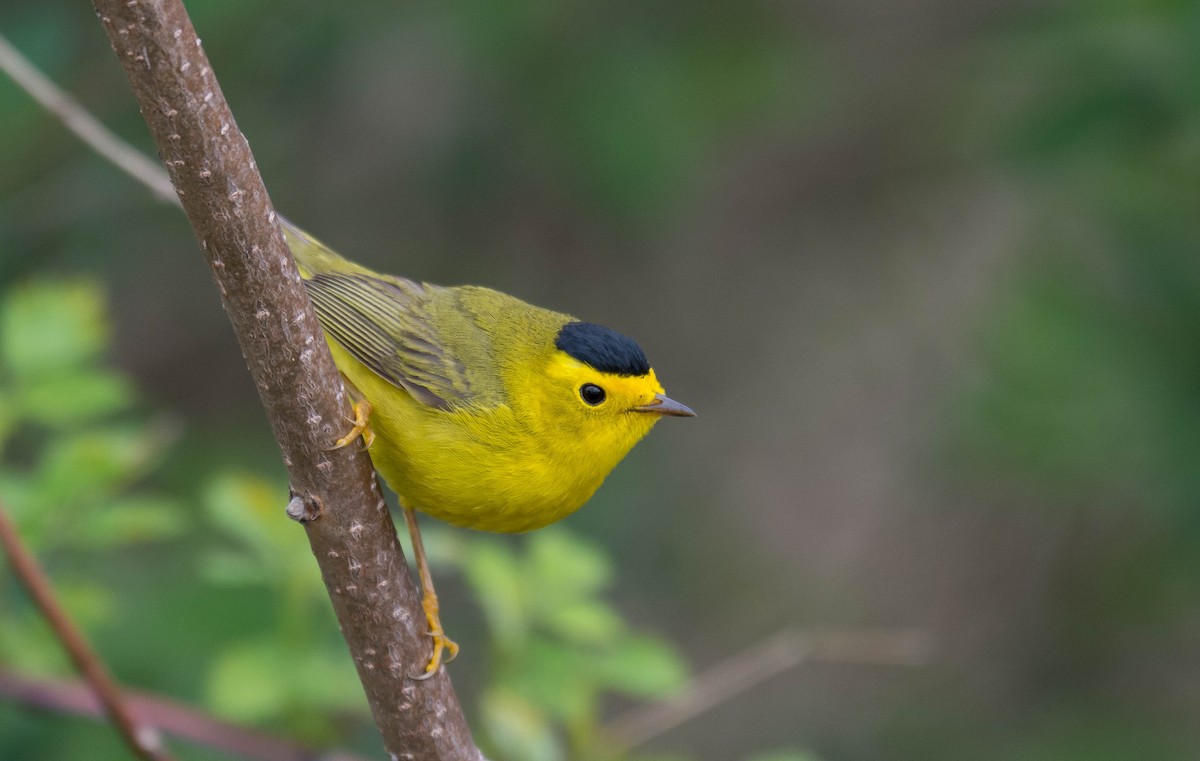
x=244, y=683
x=233, y=569
x=270, y=548
x=26, y=639
x=323, y=678
x=267, y=680
x=518, y=730
x=251, y=508
x=90, y=465
x=46, y=327
x=556, y=679
x=491, y=570
x=563, y=568
x=75, y=397
x=644, y=666
x=88, y=604
x=128, y=520
x=587, y=622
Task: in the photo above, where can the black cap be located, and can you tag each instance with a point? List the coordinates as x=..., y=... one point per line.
x=602, y=348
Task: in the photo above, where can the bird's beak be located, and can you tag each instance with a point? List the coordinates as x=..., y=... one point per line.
x=666, y=406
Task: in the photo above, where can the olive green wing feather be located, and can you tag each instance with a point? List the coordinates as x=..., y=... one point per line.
x=382, y=323
x=394, y=326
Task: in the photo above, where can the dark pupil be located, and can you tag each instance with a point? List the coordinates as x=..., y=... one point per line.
x=591, y=393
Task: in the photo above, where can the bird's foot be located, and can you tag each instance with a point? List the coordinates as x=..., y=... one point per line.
x=362, y=427
x=442, y=645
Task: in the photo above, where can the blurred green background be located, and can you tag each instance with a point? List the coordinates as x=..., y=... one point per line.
x=928, y=271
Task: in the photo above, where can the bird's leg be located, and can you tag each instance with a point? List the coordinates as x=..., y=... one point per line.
x=429, y=602
x=361, y=420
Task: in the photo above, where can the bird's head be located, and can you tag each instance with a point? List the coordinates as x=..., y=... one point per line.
x=603, y=392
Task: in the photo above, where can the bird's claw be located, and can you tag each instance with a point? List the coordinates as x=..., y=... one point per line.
x=361, y=427
x=444, y=651
x=444, y=648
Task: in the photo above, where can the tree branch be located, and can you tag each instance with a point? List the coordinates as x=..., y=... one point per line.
x=72, y=697
x=144, y=741
x=739, y=673
x=350, y=529
x=85, y=126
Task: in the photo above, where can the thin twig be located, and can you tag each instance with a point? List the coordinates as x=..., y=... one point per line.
x=85, y=126
x=751, y=667
x=73, y=697
x=144, y=741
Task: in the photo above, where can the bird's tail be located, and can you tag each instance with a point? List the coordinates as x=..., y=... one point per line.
x=312, y=256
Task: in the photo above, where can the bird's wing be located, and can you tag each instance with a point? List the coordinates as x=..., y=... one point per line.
x=390, y=326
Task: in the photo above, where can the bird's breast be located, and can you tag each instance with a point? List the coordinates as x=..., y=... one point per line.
x=478, y=469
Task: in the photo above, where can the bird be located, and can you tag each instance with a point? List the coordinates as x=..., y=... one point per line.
x=475, y=407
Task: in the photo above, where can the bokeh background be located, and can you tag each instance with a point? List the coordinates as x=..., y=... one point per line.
x=927, y=270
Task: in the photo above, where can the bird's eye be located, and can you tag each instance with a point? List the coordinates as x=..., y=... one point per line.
x=591, y=394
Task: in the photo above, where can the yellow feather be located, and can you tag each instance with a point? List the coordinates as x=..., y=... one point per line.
x=477, y=414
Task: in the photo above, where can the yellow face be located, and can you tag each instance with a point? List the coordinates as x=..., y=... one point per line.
x=600, y=394
x=597, y=413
